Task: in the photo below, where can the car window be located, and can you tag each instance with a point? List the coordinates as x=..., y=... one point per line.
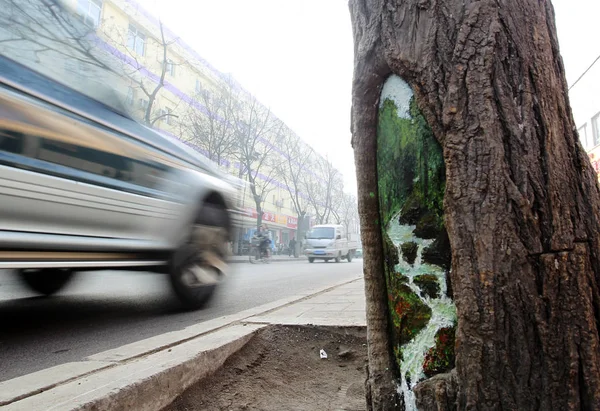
x=321, y=233
x=51, y=140
x=47, y=37
x=11, y=141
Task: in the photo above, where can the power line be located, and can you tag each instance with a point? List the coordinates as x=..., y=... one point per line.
x=584, y=73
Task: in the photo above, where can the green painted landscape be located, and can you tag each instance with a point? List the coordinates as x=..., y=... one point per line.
x=410, y=168
x=411, y=178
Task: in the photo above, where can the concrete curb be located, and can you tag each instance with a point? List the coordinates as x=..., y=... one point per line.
x=146, y=384
x=145, y=375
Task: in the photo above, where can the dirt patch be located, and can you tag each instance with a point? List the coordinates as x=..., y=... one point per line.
x=281, y=369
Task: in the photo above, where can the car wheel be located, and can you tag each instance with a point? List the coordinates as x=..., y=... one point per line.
x=311, y=260
x=46, y=281
x=338, y=258
x=199, y=266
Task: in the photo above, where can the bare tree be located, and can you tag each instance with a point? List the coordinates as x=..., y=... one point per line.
x=257, y=133
x=345, y=209
x=320, y=187
x=334, y=186
x=293, y=170
x=135, y=45
x=210, y=126
x=335, y=204
x=313, y=187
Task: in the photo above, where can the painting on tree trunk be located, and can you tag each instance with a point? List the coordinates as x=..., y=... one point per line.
x=411, y=178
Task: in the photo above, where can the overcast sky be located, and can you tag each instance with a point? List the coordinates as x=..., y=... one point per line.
x=578, y=25
x=296, y=56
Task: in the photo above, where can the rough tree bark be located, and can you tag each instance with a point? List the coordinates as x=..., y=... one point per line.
x=521, y=202
x=369, y=76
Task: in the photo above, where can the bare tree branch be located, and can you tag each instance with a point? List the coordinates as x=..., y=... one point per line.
x=212, y=129
x=163, y=116
x=321, y=186
x=256, y=132
x=293, y=170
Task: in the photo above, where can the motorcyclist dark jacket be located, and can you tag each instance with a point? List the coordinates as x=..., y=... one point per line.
x=264, y=236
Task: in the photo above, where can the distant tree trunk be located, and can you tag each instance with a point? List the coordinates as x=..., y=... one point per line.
x=300, y=233
x=153, y=94
x=259, y=210
x=237, y=243
x=521, y=204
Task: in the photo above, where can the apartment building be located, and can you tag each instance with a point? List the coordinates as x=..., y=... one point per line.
x=140, y=43
x=585, y=102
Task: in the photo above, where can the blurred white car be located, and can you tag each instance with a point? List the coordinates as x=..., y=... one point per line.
x=83, y=186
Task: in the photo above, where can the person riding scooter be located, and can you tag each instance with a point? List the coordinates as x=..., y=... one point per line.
x=263, y=234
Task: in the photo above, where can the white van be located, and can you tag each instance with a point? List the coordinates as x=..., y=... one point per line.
x=329, y=242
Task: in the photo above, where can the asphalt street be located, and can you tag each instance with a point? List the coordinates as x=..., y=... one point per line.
x=99, y=311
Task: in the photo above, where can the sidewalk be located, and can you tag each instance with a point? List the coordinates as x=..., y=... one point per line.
x=276, y=258
x=343, y=306
x=150, y=374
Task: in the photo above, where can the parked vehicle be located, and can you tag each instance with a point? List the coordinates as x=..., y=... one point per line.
x=85, y=187
x=329, y=242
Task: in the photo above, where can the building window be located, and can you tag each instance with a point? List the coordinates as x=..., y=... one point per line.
x=136, y=40
x=583, y=138
x=143, y=103
x=89, y=11
x=166, y=115
x=170, y=67
x=198, y=86
x=596, y=129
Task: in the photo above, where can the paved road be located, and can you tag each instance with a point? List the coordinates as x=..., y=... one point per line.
x=104, y=310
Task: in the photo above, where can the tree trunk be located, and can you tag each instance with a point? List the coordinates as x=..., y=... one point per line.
x=521, y=199
x=259, y=213
x=380, y=384
x=152, y=96
x=300, y=233
x=256, y=197
x=237, y=243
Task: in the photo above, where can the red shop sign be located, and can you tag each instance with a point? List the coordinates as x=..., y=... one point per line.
x=292, y=222
x=269, y=217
